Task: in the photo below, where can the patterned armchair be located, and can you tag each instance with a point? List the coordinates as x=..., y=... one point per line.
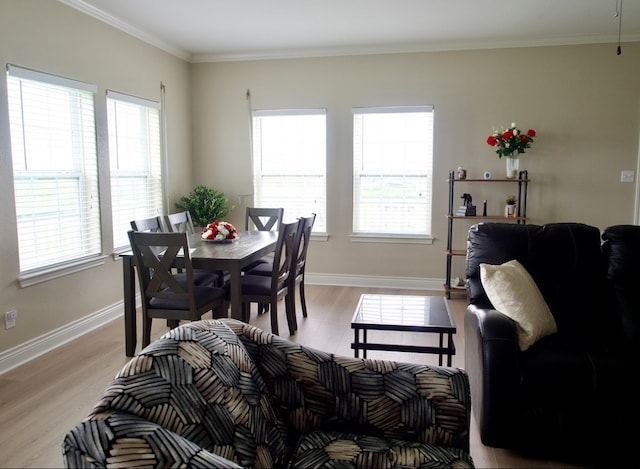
x=222, y=393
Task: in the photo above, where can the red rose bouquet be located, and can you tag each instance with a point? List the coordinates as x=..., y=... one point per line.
x=218, y=231
x=511, y=141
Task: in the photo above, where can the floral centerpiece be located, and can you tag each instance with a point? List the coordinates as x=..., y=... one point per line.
x=511, y=141
x=219, y=231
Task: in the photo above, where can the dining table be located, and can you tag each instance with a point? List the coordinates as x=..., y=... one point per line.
x=230, y=255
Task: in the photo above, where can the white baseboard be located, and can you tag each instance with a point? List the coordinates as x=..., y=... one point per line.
x=370, y=281
x=31, y=349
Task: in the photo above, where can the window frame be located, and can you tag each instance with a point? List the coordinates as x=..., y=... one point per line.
x=387, y=234
x=150, y=171
x=320, y=228
x=82, y=166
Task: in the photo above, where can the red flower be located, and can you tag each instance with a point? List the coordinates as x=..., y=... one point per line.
x=491, y=140
x=531, y=133
x=507, y=135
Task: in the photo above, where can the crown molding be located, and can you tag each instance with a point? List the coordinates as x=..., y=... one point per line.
x=412, y=48
x=111, y=20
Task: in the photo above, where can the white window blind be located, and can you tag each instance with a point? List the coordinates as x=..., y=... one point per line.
x=289, y=167
x=392, y=170
x=53, y=145
x=135, y=161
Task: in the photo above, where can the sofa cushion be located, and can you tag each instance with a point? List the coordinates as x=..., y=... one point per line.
x=341, y=449
x=514, y=293
x=199, y=382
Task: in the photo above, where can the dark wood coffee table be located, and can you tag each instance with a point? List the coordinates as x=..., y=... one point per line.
x=404, y=313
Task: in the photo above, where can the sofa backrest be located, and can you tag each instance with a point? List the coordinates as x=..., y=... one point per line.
x=315, y=390
x=621, y=249
x=199, y=382
x=564, y=260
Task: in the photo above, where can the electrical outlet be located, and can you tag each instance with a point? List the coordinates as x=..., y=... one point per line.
x=10, y=319
x=626, y=176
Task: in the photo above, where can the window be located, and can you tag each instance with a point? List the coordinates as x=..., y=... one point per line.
x=135, y=160
x=392, y=171
x=53, y=145
x=289, y=167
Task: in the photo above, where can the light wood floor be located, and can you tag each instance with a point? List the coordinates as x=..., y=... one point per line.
x=41, y=400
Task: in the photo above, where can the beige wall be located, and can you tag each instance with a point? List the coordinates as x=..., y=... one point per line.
x=48, y=36
x=584, y=101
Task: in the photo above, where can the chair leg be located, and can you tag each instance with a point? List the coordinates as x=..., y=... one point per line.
x=290, y=309
x=146, y=331
x=274, y=316
x=246, y=312
x=303, y=302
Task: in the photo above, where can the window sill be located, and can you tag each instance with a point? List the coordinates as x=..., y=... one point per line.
x=390, y=238
x=50, y=273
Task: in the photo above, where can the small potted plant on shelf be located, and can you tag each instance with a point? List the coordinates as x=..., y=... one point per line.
x=510, y=207
x=205, y=205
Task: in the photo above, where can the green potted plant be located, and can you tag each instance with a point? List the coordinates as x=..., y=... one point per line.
x=205, y=205
x=510, y=209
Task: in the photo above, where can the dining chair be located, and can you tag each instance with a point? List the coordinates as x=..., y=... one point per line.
x=269, y=290
x=181, y=222
x=163, y=296
x=299, y=261
x=152, y=224
x=263, y=219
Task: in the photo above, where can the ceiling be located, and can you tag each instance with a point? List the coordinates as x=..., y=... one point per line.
x=223, y=30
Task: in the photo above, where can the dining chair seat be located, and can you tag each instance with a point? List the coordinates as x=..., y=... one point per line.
x=201, y=295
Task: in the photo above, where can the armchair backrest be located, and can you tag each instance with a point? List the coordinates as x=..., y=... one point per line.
x=564, y=260
x=621, y=249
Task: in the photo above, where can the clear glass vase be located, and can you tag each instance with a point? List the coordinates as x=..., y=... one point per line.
x=513, y=166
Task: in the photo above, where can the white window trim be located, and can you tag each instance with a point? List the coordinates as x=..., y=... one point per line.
x=38, y=275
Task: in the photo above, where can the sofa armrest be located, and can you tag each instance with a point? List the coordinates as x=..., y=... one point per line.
x=315, y=390
x=119, y=439
x=492, y=360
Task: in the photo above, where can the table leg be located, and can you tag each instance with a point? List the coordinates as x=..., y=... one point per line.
x=364, y=341
x=129, y=279
x=356, y=341
x=441, y=349
x=236, y=292
x=450, y=349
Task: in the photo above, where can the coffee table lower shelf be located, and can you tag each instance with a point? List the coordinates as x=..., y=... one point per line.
x=433, y=311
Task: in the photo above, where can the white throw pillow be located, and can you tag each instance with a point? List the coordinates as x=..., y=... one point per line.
x=514, y=293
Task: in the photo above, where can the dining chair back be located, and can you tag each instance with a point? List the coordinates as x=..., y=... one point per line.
x=299, y=262
x=153, y=224
x=179, y=222
x=263, y=219
x=164, y=295
x=270, y=289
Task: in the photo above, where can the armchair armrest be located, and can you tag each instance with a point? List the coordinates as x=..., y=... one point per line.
x=120, y=439
x=492, y=359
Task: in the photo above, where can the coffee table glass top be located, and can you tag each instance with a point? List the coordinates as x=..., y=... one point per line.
x=403, y=310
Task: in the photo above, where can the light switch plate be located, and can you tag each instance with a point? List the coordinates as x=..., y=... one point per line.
x=627, y=176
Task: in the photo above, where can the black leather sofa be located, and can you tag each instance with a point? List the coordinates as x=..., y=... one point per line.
x=573, y=393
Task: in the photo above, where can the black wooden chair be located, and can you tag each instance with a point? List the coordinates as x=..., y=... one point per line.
x=263, y=219
x=164, y=296
x=270, y=289
x=300, y=248
x=179, y=222
x=153, y=224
